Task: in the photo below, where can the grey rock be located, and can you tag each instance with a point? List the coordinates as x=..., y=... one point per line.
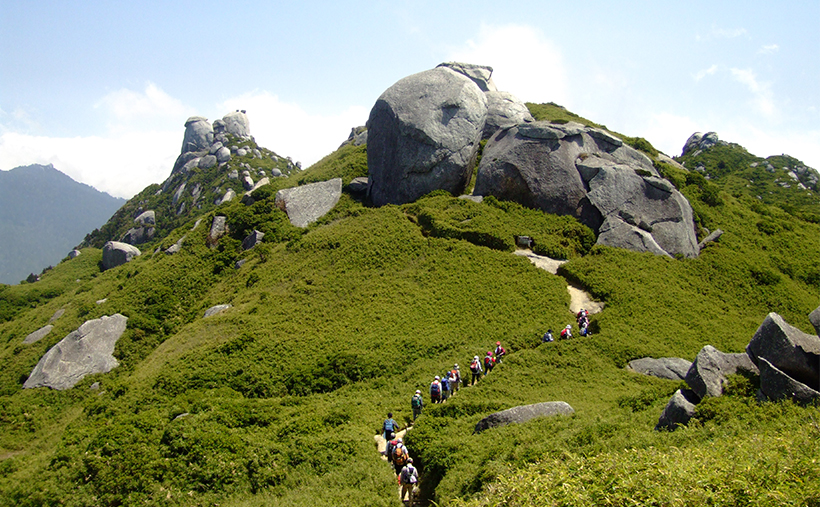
x=776, y=385
x=792, y=351
x=248, y=199
x=176, y=247
x=678, y=411
x=714, y=236
x=101, y=301
x=181, y=209
x=190, y=165
x=178, y=194
x=229, y=195
x=575, y=170
x=138, y=235
x=708, y=373
x=257, y=153
x=219, y=130
x=358, y=185
x=116, y=254
x=306, y=204
x=241, y=152
x=275, y=172
x=223, y=155
x=199, y=134
x=357, y=137
x=215, y=309
x=95, y=386
x=59, y=313
x=247, y=182
x=218, y=229
x=195, y=193
x=146, y=218
x=423, y=135
x=252, y=240
x=196, y=224
x=182, y=161
x=74, y=254
x=238, y=264
x=700, y=141
x=814, y=318
x=38, y=335
x=481, y=75
x=504, y=110
x=234, y=174
x=207, y=162
x=237, y=123
x=86, y=351
x=523, y=414
x=215, y=148
x=671, y=368
x=474, y=198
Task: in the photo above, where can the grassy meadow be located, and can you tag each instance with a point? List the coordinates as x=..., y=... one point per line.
x=276, y=400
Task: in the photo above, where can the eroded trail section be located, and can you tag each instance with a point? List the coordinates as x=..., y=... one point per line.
x=578, y=297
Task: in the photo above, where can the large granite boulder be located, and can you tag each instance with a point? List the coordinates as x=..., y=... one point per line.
x=711, y=368
x=252, y=239
x=308, y=203
x=814, y=318
x=210, y=312
x=199, y=135
x=223, y=155
x=207, y=162
x=116, y=254
x=218, y=229
x=776, y=385
x=671, y=368
x=357, y=137
x=678, y=411
x=138, y=235
x=792, y=351
x=86, y=351
x=237, y=123
x=38, y=335
x=700, y=141
x=570, y=169
x=523, y=414
x=146, y=218
x=423, y=135
x=481, y=75
x=504, y=110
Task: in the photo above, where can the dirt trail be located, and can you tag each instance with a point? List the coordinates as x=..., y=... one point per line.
x=578, y=297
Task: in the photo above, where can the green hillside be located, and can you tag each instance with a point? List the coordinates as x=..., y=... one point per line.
x=276, y=400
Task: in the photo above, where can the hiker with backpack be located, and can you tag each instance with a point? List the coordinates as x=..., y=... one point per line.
x=400, y=456
x=445, y=387
x=566, y=333
x=500, y=352
x=475, y=369
x=388, y=449
x=489, y=363
x=408, y=478
x=389, y=426
x=435, y=390
x=547, y=337
x=455, y=380
x=416, y=403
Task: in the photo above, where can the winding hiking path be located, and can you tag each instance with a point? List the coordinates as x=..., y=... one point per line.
x=578, y=297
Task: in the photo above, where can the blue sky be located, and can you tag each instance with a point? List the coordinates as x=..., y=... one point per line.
x=102, y=89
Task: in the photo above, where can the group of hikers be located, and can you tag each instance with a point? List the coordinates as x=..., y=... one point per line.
x=582, y=317
x=442, y=387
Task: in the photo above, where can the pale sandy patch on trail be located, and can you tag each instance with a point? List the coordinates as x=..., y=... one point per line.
x=578, y=297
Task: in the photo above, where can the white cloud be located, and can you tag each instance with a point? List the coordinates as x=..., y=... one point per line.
x=289, y=130
x=668, y=132
x=728, y=33
x=153, y=108
x=770, y=49
x=763, y=99
x=705, y=72
x=524, y=62
x=115, y=165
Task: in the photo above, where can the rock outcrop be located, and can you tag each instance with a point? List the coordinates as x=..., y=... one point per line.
x=116, y=254
x=792, y=351
x=678, y=411
x=38, y=335
x=306, y=204
x=199, y=134
x=700, y=141
x=423, y=135
x=670, y=368
x=504, y=110
x=252, y=239
x=86, y=351
x=218, y=229
x=710, y=370
x=210, y=312
x=523, y=414
x=570, y=169
x=237, y=123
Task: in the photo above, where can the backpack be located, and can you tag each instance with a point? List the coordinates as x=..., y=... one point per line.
x=400, y=455
x=435, y=389
x=389, y=425
x=563, y=333
x=474, y=366
x=488, y=362
x=416, y=401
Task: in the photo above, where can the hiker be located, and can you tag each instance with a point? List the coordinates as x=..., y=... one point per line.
x=400, y=456
x=389, y=426
x=566, y=332
x=489, y=363
x=500, y=352
x=391, y=444
x=475, y=369
x=585, y=327
x=455, y=380
x=445, y=387
x=435, y=390
x=547, y=337
x=416, y=403
x=408, y=478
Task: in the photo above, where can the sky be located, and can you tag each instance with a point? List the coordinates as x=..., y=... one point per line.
x=102, y=89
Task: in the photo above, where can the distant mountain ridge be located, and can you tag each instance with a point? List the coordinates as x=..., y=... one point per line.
x=43, y=215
